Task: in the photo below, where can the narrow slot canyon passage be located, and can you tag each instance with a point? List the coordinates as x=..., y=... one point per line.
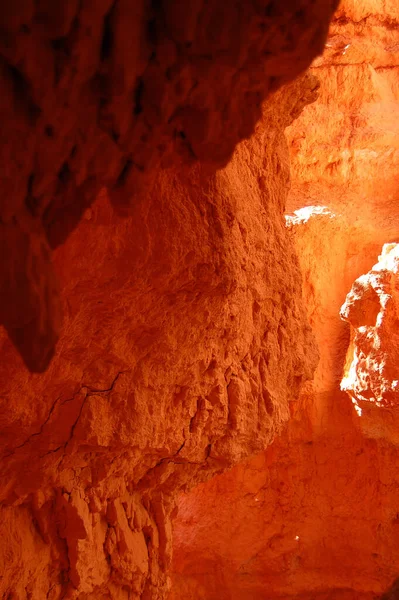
x=199, y=300
x=315, y=516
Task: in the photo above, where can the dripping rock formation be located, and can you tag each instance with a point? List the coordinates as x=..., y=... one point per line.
x=315, y=516
x=144, y=177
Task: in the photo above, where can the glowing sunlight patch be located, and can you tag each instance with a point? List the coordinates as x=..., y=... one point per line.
x=302, y=215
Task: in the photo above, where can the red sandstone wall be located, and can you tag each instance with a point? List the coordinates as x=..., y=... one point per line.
x=176, y=361
x=175, y=358
x=315, y=516
x=102, y=94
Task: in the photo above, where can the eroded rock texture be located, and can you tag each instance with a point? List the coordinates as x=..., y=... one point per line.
x=184, y=334
x=372, y=370
x=345, y=147
x=315, y=516
x=176, y=357
x=101, y=94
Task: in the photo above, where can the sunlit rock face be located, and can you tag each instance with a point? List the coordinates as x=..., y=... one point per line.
x=345, y=147
x=372, y=372
x=183, y=333
x=315, y=516
x=185, y=336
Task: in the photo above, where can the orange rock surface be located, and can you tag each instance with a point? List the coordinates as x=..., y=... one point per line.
x=315, y=516
x=372, y=371
x=184, y=342
x=184, y=332
x=103, y=94
x=174, y=363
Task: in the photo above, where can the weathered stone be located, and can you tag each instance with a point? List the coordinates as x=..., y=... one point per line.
x=315, y=516
x=184, y=339
x=105, y=94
